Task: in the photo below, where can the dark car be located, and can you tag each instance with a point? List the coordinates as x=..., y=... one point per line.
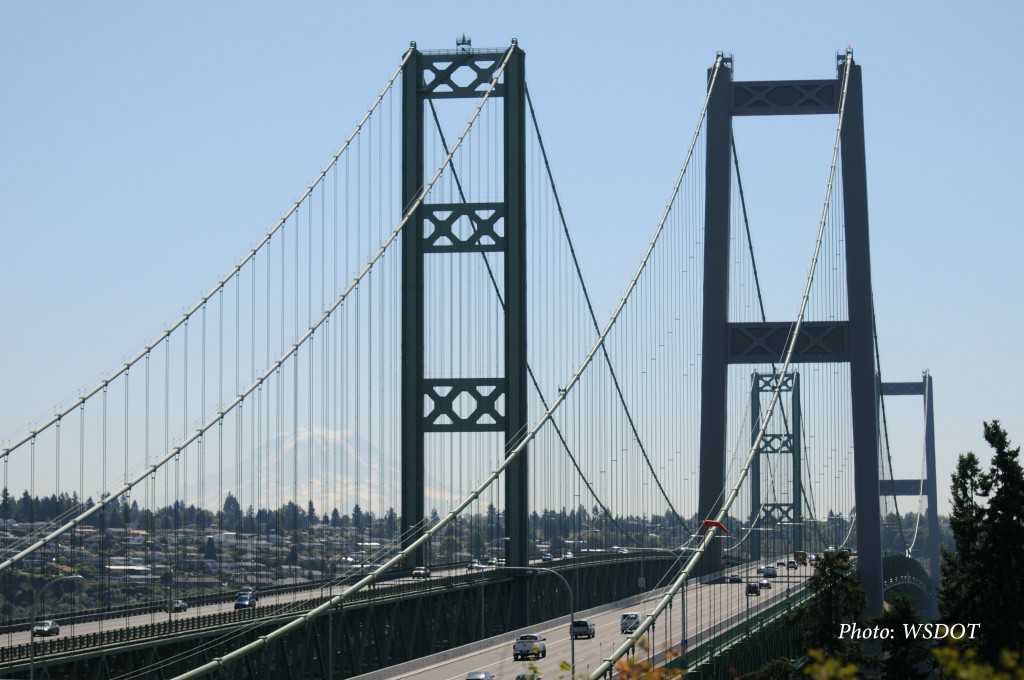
x=753, y=589
x=45, y=628
x=245, y=601
x=179, y=606
x=735, y=578
x=546, y=557
x=583, y=628
x=629, y=622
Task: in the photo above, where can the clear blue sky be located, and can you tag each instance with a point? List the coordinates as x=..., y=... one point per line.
x=146, y=146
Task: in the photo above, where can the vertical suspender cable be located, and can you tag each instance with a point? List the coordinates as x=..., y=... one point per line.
x=589, y=304
x=287, y=353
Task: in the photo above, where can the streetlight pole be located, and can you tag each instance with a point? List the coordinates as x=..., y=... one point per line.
x=32, y=617
x=170, y=582
x=572, y=611
x=577, y=550
x=748, y=613
x=497, y=540
x=683, y=649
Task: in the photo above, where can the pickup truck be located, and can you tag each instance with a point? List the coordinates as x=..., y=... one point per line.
x=583, y=628
x=529, y=645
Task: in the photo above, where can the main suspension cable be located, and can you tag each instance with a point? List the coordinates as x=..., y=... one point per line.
x=222, y=283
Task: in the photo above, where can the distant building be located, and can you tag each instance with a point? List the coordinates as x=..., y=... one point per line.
x=196, y=583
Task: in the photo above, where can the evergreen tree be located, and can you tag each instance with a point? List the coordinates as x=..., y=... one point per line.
x=982, y=580
x=904, y=656
x=232, y=513
x=1002, y=547
x=357, y=519
x=7, y=509
x=838, y=598
x=26, y=509
x=779, y=669
x=960, y=597
x=390, y=523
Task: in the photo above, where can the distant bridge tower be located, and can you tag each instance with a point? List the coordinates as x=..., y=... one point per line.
x=914, y=487
x=497, y=227
x=776, y=443
x=851, y=341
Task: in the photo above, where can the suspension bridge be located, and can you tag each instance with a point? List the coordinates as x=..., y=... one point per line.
x=408, y=371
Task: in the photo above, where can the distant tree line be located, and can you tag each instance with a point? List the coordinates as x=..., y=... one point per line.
x=553, y=527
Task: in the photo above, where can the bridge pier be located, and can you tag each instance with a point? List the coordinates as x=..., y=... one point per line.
x=927, y=486
x=851, y=341
x=428, y=404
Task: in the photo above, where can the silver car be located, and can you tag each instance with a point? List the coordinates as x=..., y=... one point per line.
x=44, y=628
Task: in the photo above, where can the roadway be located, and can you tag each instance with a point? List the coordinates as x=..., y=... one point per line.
x=269, y=605
x=276, y=604
x=707, y=606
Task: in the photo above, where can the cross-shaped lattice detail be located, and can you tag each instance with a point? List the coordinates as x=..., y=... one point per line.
x=778, y=512
x=776, y=443
x=767, y=382
x=459, y=77
x=464, y=405
x=789, y=95
x=462, y=227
